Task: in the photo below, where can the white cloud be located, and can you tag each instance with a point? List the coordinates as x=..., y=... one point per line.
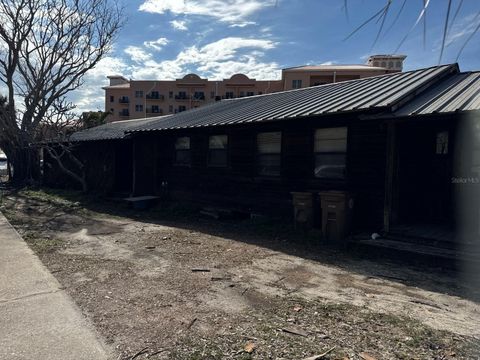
x=156, y=44
x=137, y=54
x=179, y=25
x=217, y=60
x=231, y=11
x=90, y=96
x=242, y=24
x=463, y=28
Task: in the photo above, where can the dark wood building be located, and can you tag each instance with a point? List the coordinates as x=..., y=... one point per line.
x=396, y=143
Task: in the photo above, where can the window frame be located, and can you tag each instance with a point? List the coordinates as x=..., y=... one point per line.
x=184, y=151
x=226, y=150
x=259, y=155
x=298, y=83
x=334, y=153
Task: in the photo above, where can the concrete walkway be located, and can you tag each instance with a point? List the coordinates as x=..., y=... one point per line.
x=38, y=320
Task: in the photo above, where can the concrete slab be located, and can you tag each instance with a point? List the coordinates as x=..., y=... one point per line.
x=38, y=320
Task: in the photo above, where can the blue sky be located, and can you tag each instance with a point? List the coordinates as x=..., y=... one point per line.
x=166, y=39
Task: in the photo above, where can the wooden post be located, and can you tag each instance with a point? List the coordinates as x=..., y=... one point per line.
x=155, y=170
x=133, y=168
x=391, y=173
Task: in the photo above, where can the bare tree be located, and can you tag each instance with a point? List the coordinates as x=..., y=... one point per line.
x=46, y=48
x=59, y=151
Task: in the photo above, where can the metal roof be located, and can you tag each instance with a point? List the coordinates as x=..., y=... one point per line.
x=379, y=93
x=110, y=131
x=460, y=92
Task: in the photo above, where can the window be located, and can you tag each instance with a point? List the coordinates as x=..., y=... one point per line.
x=138, y=107
x=442, y=143
x=154, y=95
x=155, y=109
x=330, y=152
x=170, y=94
x=182, y=95
x=260, y=93
x=212, y=94
x=250, y=93
x=182, y=108
x=296, y=84
x=139, y=93
x=170, y=108
x=217, y=150
x=182, y=151
x=269, y=152
x=242, y=93
x=199, y=95
x=229, y=95
x=112, y=98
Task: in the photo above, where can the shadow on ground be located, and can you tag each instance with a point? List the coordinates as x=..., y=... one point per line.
x=276, y=235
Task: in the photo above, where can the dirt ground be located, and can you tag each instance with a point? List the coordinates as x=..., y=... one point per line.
x=169, y=284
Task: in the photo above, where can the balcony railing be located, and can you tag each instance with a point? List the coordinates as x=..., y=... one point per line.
x=199, y=98
x=182, y=97
x=123, y=100
x=155, y=97
x=154, y=111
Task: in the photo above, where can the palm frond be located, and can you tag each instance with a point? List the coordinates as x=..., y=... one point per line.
x=419, y=18
x=377, y=14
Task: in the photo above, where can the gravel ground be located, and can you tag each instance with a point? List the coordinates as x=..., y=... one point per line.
x=168, y=284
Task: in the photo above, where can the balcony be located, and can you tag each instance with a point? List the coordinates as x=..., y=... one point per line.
x=154, y=111
x=198, y=97
x=155, y=97
x=182, y=97
x=123, y=100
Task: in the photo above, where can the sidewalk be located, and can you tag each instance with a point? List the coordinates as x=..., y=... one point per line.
x=38, y=320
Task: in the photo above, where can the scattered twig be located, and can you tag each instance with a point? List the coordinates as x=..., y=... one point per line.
x=141, y=352
x=425, y=302
x=191, y=323
x=295, y=331
x=219, y=278
x=244, y=291
x=156, y=353
x=200, y=270
x=321, y=356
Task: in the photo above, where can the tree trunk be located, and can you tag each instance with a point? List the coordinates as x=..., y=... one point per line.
x=25, y=164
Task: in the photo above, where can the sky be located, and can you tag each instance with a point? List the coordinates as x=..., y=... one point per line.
x=167, y=39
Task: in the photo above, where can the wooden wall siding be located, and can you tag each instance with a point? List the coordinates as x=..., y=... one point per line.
x=366, y=163
x=144, y=165
x=123, y=167
x=238, y=184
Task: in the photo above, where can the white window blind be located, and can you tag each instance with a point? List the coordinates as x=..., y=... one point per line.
x=269, y=142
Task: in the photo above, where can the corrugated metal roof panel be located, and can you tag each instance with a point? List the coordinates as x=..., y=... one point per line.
x=110, y=131
x=378, y=92
x=460, y=92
